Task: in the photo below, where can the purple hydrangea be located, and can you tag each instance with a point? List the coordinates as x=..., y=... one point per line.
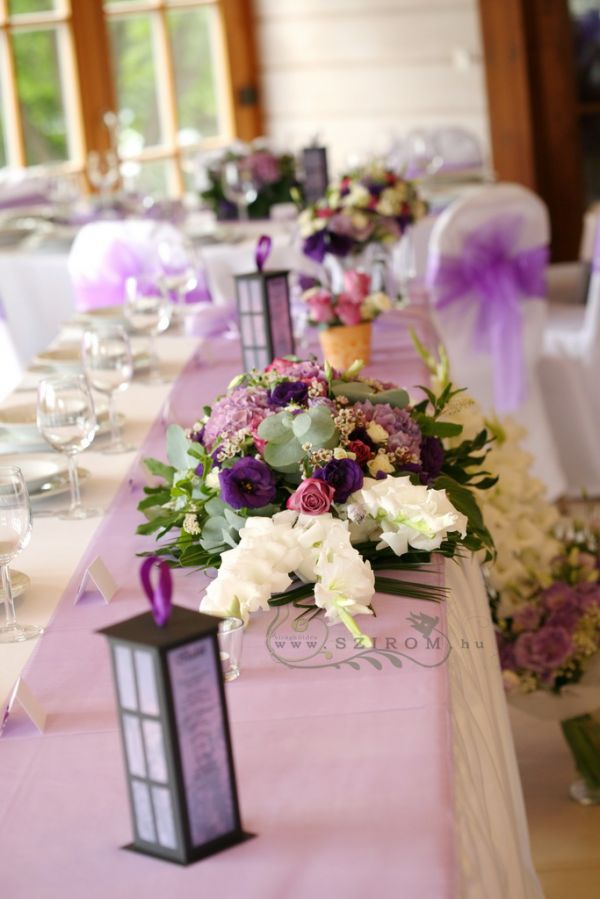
x=244, y=407
x=404, y=432
x=344, y=475
x=249, y=483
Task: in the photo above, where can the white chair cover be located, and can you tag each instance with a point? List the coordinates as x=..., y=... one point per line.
x=506, y=206
x=570, y=376
x=106, y=253
x=457, y=151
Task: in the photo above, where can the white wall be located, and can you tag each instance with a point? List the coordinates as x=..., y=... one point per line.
x=359, y=71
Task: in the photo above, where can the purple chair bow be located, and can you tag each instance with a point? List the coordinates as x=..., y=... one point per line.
x=496, y=276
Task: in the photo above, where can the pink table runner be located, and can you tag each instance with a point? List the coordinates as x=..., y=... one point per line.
x=343, y=757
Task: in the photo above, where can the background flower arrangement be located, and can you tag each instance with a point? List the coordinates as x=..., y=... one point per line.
x=544, y=590
x=369, y=205
x=355, y=304
x=273, y=175
x=303, y=481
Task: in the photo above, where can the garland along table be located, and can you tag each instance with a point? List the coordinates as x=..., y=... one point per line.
x=390, y=770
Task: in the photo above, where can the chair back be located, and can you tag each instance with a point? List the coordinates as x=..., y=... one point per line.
x=487, y=259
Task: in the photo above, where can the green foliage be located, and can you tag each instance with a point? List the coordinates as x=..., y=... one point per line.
x=286, y=434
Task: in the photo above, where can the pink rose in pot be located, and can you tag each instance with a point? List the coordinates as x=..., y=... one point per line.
x=312, y=497
x=348, y=311
x=320, y=305
x=357, y=285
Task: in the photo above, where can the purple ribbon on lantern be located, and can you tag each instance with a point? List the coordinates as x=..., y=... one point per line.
x=263, y=248
x=492, y=273
x=160, y=597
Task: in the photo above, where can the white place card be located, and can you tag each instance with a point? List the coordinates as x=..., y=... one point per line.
x=98, y=575
x=22, y=697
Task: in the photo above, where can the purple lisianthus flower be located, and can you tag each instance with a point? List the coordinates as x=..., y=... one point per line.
x=289, y=392
x=307, y=282
x=199, y=469
x=315, y=246
x=344, y=475
x=432, y=459
x=545, y=650
x=249, y=483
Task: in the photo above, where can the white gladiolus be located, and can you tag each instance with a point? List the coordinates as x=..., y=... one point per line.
x=316, y=548
x=409, y=515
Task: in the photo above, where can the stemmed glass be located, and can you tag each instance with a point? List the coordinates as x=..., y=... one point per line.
x=15, y=531
x=148, y=311
x=239, y=186
x=103, y=172
x=179, y=271
x=108, y=364
x=66, y=419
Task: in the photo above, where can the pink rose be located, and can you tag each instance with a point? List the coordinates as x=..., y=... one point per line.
x=320, y=306
x=348, y=311
x=357, y=285
x=313, y=497
x=281, y=366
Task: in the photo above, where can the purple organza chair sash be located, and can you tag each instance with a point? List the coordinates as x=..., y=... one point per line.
x=491, y=273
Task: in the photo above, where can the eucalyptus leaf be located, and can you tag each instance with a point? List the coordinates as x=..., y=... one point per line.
x=281, y=456
x=396, y=397
x=177, y=448
x=302, y=424
x=273, y=429
x=158, y=468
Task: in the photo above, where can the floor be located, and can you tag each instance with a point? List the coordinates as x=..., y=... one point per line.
x=565, y=837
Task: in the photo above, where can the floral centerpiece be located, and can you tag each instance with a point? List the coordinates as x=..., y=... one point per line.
x=371, y=205
x=544, y=591
x=273, y=175
x=344, y=318
x=302, y=481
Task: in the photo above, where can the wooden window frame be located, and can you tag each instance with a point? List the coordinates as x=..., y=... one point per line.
x=89, y=91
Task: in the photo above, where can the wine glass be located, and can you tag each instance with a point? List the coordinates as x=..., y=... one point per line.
x=108, y=364
x=179, y=271
x=103, y=172
x=66, y=419
x=239, y=186
x=15, y=531
x=148, y=311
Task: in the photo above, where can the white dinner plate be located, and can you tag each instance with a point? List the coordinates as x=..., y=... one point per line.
x=103, y=314
x=45, y=475
x=19, y=583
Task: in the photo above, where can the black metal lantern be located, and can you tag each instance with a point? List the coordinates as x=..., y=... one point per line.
x=316, y=173
x=175, y=735
x=263, y=305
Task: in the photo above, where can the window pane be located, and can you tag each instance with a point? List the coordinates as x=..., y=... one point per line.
x=18, y=6
x=152, y=178
x=40, y=95
x=194, y=64
x=133, y=69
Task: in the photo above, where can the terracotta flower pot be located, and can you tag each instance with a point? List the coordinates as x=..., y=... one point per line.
x=343, y=344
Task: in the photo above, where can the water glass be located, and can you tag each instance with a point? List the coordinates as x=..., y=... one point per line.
x=148, y=311
x=179, y=268
x=108, y=364
x=231, y=633
x=66, y=419
x=15, y=531
x=239, y=186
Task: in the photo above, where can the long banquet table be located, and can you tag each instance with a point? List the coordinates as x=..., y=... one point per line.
x=399, y=780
